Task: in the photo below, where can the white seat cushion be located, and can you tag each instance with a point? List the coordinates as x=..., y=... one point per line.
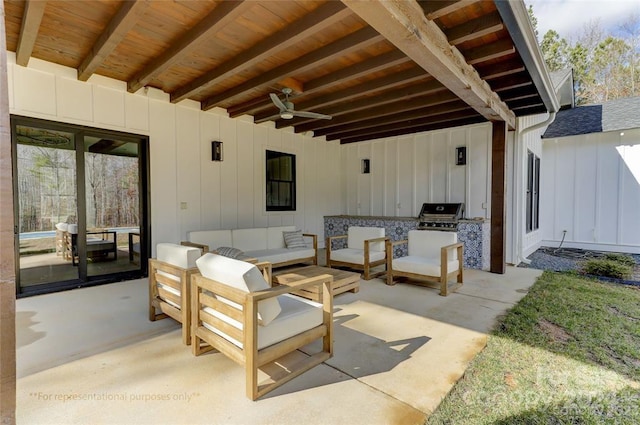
x=422, y=265
x=355, y=256
x=211, y=238
x=240, y=275
x=275, y=256
x=249, y=239
x=297, y=316
x=357, y=235
x=177, y=255
x=428, y=243
x=275, y=239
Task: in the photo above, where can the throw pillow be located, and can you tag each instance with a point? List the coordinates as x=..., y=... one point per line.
x=294, y=239
x=228, y=251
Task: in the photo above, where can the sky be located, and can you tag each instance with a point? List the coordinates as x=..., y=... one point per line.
x=568, y=17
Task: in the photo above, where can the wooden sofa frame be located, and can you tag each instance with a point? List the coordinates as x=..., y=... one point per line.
x=366, y=267
x=444, y=277
x=205, y=340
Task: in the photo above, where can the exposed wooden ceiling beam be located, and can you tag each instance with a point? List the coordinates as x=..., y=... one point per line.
x=475, y=28
x=121, y=23
x=374, y=131
x=405, y=94
x=511, y=81
x=322, y=17
x=369, y=66
x=390, y=108
x=500, y=69
x=487, y=52
x=223, y=14
x=429, y=127
x=348, y=130
x=354, y=41
x=437, y=9
x=524, y=102
x=403, y=24
x=387, y=82
x=519, y=92
x=31, y=19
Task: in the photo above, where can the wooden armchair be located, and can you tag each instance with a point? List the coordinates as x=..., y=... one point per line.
x=235, y=311
x=169, y=284
x=434, y=256
x=365, y=249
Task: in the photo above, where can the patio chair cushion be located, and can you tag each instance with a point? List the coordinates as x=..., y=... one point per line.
x=426, y=243
x=355, y=256
x=357, y=235
x=427, y=266
x=297, y=315
x=177, y=255
x=294, y=239
x=239, y=275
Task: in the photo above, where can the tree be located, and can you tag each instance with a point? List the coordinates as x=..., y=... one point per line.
x=554, y=50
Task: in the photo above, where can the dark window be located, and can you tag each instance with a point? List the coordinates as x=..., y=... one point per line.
x=281, y=181
x=533, y=192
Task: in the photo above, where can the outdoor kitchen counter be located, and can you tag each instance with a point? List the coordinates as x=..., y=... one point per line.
x=474, y=234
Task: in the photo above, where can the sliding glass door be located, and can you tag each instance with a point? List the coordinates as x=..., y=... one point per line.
x=81, y=205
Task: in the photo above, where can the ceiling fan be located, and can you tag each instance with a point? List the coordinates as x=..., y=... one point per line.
x=287, y=110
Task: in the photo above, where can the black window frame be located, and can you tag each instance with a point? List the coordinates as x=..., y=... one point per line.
x=284, y=183
x=532, y=207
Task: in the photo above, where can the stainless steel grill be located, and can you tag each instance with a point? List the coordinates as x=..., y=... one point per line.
x=440, y=216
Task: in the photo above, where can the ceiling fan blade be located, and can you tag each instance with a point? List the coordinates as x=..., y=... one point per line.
x=276, y=101
x=305, y=114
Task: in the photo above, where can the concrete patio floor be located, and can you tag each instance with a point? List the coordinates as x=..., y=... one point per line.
x=91, y=356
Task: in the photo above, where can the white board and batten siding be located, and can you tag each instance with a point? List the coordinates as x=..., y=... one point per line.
x=407, y=171
x=189, y=191
x=590, y=191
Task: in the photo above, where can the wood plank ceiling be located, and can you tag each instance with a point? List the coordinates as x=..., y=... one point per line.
x=345, y=59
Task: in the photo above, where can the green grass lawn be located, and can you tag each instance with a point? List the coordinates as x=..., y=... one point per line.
x=567, y=353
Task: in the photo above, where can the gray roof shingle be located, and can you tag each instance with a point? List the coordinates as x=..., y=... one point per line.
x=619, y=114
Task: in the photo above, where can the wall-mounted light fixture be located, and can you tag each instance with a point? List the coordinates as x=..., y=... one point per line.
x=461, y=155
x=366, y=166
x=216, y=151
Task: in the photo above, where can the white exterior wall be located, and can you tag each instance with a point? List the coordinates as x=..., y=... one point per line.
x=217, y=195
x=407, y=171
x=521, y=244
x=590, y=187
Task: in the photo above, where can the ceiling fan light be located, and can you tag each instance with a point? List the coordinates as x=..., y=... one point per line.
x=286, y=115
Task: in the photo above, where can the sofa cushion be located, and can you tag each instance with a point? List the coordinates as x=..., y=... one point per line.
x=275, y=256
x=357, y=235
x=211, y=238
x=428, y=243
x=297, y=315
x=355, y=256
x=427, y=266
x=240, y=275
x=294, y=239
x=249, y=239
x=275, y=239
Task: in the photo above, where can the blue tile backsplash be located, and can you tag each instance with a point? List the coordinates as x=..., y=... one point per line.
x=474, y=234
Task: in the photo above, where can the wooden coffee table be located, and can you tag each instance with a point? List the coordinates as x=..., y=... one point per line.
x=343, y=281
